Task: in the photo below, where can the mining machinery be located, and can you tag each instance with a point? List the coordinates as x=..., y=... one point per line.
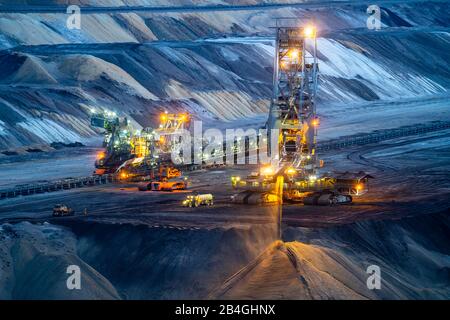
x=141, y=154
x=196, y=200
x=293, y=173
x=117, y=137
x=152, y=149
x=164, y=178
x=169, y=133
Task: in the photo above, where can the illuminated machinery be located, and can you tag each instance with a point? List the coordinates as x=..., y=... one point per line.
x=293, y=110
x=152, y=149
x=116, y=141
x=169, y=133
x=166, y=137
x=293, y=114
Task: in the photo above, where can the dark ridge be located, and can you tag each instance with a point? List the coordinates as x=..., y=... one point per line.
x=393, y=20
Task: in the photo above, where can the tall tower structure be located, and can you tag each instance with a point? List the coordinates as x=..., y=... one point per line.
x=293, y=109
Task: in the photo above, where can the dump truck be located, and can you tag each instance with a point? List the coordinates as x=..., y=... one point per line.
x=167, y=185
x=198, y=200
x=163, y=186
x=62, y=210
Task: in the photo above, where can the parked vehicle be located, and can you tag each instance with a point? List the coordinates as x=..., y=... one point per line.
x=198, y=200
x=62, y=210
x=163, y=186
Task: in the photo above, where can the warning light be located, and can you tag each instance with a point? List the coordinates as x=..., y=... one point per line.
x=315, y=122
x=183, y=118
x=267, y=171
x=309, y=32
x=294, y=54
x=291, y=171
x=123, y=175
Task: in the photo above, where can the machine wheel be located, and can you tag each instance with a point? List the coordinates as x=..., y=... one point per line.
x=333, y=201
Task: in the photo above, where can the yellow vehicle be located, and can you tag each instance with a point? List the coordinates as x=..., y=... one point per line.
x=166, y=178
x=198, y=200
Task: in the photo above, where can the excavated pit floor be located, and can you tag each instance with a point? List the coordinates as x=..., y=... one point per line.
x=145, y=245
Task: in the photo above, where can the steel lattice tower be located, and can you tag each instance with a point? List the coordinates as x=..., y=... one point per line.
x=293, y=109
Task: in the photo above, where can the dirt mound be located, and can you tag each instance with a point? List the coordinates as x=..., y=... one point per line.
x=168, y=263
x=413, y=255
x=21, y=68
x=34, y=261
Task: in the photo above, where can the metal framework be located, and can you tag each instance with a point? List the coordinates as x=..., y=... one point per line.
x=293, y=110
x=169, y=132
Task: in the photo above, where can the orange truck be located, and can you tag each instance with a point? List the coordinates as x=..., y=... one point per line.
x=167, y=185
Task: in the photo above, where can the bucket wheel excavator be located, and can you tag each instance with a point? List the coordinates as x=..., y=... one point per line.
x=293, y=174
x=140, y=154
x=117, y=137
